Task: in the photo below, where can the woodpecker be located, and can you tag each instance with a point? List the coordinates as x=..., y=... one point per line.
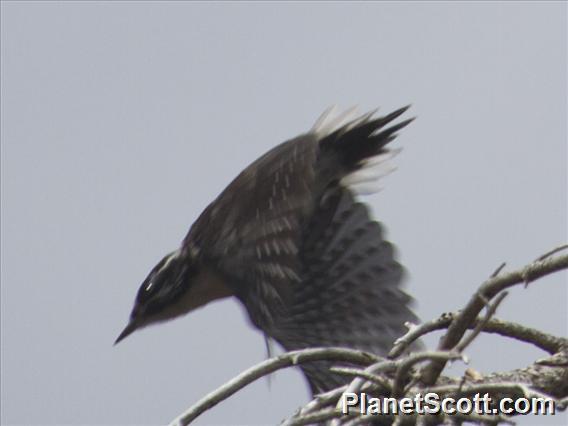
x=289, y=239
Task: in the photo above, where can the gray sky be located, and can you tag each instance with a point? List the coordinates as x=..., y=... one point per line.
x=122, y=121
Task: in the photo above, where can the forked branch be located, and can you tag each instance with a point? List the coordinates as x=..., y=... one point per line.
x=399, y=376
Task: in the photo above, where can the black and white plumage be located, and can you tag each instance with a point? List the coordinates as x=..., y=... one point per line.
x=289, y=240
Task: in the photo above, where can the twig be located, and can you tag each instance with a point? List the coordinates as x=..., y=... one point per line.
x=491, y=308
x=361, y=419
x=485, y=419
x=288, y=359
x=553, y=251
x=489, y=289
x=357, y=383
x=498, y=270
x=406, y=364
x=544, y=378
x=354, y=372
x=321, y=400
x=328, y=413
x=508, y=388
x=544, y=341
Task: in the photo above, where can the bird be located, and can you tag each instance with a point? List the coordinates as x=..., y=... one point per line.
x=291, y=240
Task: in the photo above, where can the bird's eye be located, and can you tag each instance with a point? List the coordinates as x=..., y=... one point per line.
x=147, y=291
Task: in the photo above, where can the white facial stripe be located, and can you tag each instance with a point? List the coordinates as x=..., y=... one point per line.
x=171, y=257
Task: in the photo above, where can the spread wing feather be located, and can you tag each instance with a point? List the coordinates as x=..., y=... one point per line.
x=351, y=295
x=305, y=259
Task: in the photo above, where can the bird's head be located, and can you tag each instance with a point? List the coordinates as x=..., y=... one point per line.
x=164, y=286
x=175, y=286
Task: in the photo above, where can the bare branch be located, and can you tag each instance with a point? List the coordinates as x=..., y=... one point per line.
x=328, y=413
x=320, y=401
x=357, y=384
x=268, y=366
x=488, y=290
x=544, y=378
x=491, y=309
x=354, y=372
x=544, y=341
x=498, y=270
x=406, y=364
x=553, y=251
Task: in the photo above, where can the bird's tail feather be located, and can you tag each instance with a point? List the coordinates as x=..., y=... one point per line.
x=358, y=143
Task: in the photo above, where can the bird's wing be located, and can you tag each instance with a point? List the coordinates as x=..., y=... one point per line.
x=252, y=231
x=351, y=295
x=260, y=231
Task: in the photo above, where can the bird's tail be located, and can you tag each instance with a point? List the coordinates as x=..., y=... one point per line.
x=358, y=144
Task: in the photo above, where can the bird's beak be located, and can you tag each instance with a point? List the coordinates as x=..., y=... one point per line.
x=129, y=329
